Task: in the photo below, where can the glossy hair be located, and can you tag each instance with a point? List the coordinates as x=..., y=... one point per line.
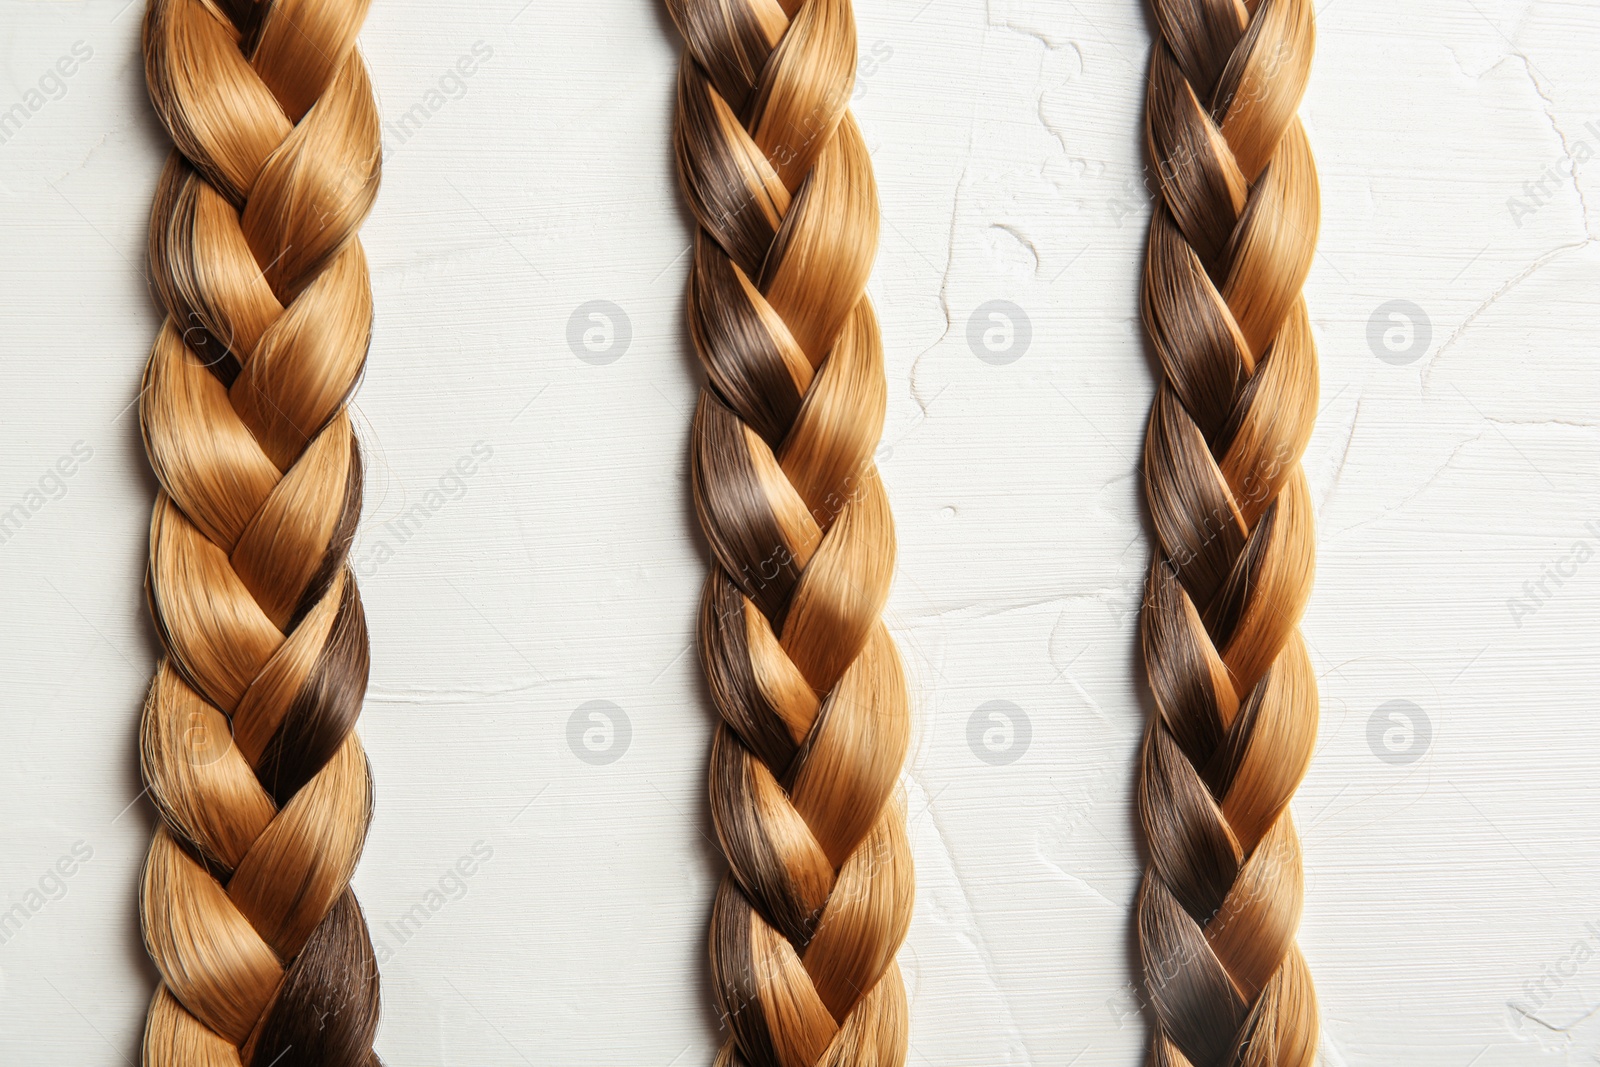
x=815, y=715
x=1231, y=240
x=247, y=742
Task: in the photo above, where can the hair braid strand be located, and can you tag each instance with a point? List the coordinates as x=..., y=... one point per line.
x=815, y=715
x=1231, y=239
x=247, y=743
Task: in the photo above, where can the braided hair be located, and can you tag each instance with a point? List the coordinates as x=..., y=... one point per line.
x=247, y=743
x=1231, y=240
x=809, y=686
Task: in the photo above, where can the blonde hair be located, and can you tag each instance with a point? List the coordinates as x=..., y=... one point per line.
x=815, y=715
x=1231, y=240
x=247, y=742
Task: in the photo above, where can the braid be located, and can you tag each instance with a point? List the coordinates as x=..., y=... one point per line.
x=815, y=715
x=1231, y=241
x=247, y=742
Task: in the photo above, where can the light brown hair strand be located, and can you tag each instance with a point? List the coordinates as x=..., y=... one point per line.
x=247, y=743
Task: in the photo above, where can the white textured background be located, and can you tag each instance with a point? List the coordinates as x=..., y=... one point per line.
x=1450, y=845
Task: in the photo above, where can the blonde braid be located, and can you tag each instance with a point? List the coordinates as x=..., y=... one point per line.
x=247, y=742
x=1231, y=240
x=815, y=714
